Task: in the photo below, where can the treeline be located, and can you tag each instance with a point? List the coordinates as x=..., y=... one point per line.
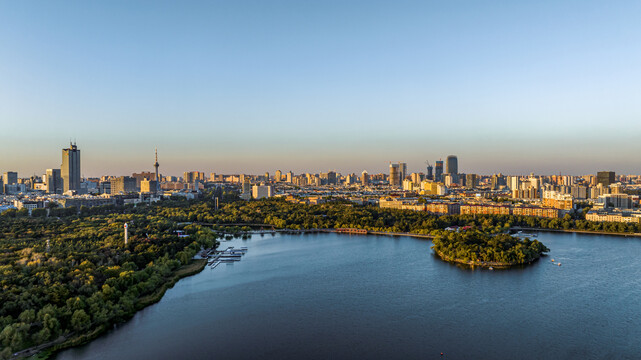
x=282, y=214
x=86, y=279
x=478, y=247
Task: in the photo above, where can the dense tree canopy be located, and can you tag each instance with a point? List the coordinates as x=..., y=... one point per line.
x=478, y=248
x=87, y=278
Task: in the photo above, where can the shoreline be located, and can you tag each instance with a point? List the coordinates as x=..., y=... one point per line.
x=193, y=268
x=485, y=264
x=587, y=232
x=334, y=230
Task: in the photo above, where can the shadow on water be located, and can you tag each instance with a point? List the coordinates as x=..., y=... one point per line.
x=472, y=268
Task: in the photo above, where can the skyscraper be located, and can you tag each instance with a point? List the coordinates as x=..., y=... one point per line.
x=331, y=178
x=70, y=168
x=402, y=172
x=513, y=182
x=471, y=181
x=438, y=171
x=191, y=176
x=605, y=177
x=364, y=178
x=451, y=165
x=394, y=175
x=54, y=181
x=10, y=178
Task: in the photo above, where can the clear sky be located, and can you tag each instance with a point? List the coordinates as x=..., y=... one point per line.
x=254, y=86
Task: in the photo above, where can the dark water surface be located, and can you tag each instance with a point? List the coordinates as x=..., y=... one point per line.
x=330, y=296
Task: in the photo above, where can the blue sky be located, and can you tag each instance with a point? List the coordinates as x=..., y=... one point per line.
x=255, y=86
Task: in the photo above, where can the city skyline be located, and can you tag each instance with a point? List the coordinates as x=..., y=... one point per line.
x=385, y=169
x=227, y=87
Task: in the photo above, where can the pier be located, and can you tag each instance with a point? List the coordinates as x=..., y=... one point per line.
x=229, y=255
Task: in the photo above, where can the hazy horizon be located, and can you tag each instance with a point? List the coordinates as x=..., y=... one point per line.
x=175, y=167
x=248, y=86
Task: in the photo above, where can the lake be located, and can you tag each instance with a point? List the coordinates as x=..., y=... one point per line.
x=331, y=296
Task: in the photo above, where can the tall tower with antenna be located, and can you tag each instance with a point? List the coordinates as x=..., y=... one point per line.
x=156, y=165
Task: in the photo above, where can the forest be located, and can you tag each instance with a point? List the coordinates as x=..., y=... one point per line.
x=86, y=279
x=339, y=213
x=480, y=248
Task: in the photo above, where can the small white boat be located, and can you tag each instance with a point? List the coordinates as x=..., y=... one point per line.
x=491, y=268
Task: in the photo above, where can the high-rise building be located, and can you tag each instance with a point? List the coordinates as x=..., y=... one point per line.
x=278, y=175
x=430, y=174
x=331, y=178
x=246, y=189
x=10, y=178
x=53, y=181
x=616, y=189
x=364, y=178
x=513, y=182
x=190, y=176
x=447, y=179
x=497, y=180
x=148, y=186
x=606, y=178
x=123, y=185
x=402, y=171
x=394, y=175
x=261, y=192
x=70, y=168
x=438, y=171
x=451, y=165
x=471, y=181
x=148, y=175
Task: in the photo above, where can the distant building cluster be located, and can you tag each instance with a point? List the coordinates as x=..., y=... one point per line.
x=439, y=189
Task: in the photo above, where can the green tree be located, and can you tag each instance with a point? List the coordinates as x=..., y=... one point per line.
x=80, y=320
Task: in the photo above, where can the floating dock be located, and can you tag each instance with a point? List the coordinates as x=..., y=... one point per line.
x=228, y=256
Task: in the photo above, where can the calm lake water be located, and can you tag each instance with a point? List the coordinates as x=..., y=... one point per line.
x=330, y=296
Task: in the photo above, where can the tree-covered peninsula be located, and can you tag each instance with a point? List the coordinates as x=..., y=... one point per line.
x=481, y=249
x=66, y=279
